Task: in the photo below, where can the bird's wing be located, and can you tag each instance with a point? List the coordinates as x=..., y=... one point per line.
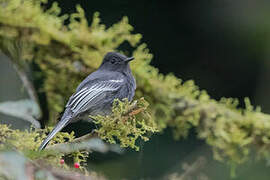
x=90, y=96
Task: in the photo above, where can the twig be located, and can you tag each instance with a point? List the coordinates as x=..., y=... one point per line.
x=189, y=170
x=28, y=86
x=77, y=140
x=89, y=142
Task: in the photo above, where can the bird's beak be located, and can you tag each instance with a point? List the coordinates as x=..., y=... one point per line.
x=129, y=59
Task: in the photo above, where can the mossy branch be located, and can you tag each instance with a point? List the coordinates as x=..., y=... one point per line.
x=68, y=53
x=127, y=123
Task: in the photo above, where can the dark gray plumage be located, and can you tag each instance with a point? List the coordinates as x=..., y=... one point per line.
x=112, y=80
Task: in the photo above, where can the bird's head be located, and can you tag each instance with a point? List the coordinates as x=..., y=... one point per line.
x=114, y=61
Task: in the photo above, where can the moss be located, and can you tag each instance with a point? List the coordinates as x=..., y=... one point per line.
x=127, y=123
x=27, y=142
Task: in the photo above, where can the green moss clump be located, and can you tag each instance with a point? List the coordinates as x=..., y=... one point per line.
x=27, y=142
x=127, y=123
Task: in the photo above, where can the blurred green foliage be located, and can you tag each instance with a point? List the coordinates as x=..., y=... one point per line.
x=68, y=53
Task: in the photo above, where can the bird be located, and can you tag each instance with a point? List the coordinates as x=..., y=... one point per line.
x=96, y=93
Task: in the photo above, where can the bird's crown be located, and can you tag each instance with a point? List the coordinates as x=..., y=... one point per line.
x=115, y=57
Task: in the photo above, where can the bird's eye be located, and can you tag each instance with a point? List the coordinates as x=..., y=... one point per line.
x=113, y=61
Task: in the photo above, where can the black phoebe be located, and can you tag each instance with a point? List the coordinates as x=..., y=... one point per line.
x=96, y=93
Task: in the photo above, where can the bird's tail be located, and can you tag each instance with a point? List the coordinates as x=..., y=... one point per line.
x=55, y=130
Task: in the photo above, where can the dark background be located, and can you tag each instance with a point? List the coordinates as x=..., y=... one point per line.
x=221, y=44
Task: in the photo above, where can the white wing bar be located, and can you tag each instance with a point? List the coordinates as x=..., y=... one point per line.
x=83, y=97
